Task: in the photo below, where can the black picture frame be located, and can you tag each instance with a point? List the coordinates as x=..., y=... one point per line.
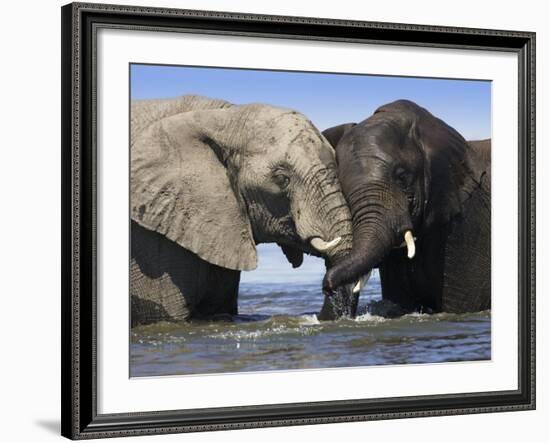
x=79, y=171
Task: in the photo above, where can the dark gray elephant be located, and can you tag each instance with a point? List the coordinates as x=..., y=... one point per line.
x=419, y=195
x=209, y=181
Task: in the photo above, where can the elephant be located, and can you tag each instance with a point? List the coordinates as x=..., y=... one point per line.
x=209, y=181
x=420, y=198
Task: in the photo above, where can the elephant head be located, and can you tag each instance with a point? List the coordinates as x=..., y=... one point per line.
x=403, y=172
x=218, y=179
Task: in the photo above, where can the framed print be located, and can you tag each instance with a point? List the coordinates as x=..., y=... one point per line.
x=273, y=221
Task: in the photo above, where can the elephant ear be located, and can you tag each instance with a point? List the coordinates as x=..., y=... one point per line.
x=146, y=112
x=334, y=134
x=452, y=169
x=181, y=189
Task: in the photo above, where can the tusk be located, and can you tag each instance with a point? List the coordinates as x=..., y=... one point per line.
x=361, y=283
x=409, y=240
x=322, y=245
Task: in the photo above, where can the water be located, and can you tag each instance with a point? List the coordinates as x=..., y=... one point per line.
x=277, y=329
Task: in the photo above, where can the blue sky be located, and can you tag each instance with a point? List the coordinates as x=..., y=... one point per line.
x=327, y=100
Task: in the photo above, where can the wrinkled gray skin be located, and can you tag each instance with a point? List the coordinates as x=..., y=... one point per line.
x=209, y=181
x=404, y=169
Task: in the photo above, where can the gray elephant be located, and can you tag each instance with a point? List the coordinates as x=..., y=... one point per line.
x=209, y=181
x=419, y=195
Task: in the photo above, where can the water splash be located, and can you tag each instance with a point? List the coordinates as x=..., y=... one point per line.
x=309, y=319
x=277, y=329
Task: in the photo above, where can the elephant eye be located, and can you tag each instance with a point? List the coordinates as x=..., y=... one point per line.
x=281, y=180
x=403, y=177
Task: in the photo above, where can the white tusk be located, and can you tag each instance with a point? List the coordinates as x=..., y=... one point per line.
x=409, y=240
x=322, y=245
x=403, y=244
x=361, y=282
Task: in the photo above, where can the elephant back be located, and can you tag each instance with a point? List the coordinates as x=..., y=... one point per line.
x=483, y=150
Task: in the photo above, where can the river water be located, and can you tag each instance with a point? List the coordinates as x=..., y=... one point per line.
x=277, y=329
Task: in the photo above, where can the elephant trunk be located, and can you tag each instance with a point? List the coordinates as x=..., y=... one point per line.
x=341, y=230
x=322, y=216
x=380, y=221
x=343, y=301
x=335, y=245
